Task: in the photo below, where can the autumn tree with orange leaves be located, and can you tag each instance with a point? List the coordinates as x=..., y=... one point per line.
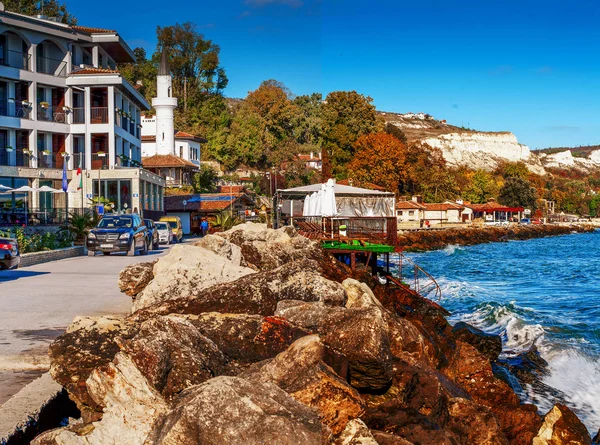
x=379, y=159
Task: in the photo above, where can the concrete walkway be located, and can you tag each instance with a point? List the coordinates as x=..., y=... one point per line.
x=40, y=301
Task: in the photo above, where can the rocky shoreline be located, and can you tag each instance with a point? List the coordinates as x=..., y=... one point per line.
x=425, y=240
x=258, y=336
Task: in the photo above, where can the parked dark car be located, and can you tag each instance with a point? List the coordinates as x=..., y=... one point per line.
x=152, y=231
x=10, y=258
x=118, y=233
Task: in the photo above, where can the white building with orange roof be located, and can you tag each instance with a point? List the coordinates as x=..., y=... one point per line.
x=62, y=100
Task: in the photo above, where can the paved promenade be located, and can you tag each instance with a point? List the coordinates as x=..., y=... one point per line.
x=37, y=303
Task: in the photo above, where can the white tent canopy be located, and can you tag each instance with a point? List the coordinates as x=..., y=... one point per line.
x=341, y=200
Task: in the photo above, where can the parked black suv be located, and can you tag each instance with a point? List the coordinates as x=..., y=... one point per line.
x=153, y=236
x=118, y=233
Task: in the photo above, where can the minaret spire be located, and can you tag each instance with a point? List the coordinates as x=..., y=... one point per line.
x=163, y=68
x=164, y=103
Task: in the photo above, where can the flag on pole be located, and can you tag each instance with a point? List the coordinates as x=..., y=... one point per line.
x=65, y=181
x=77, y=181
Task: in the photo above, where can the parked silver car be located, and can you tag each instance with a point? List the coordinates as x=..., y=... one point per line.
x=165, y=235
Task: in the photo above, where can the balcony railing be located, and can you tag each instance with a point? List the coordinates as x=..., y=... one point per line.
x=15, y=110
x=78, y=160
x=78, y=115
x=99, y=162
x=45, y=160
x=99, y=115
x=54, y=67
x=23, y=158
x=15, y=59
x=52, y=114
x=38, y=216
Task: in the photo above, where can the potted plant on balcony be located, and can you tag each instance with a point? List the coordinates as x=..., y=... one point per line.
x=11, y=100
x=46, y=152
x=26, y=151
x=9, y=148
x=26, y=104
x=67, y=109
x=44, y=105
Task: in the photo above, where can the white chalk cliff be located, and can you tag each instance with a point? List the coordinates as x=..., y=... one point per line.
x=483, y=150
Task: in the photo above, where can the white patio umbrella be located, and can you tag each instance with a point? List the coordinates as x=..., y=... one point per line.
x=328, y=205
x=48, y=189
x=306, y=205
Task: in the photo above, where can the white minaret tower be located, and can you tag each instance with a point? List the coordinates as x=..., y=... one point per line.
x=164, y=104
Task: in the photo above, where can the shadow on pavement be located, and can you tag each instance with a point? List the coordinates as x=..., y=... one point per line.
x=15, y=274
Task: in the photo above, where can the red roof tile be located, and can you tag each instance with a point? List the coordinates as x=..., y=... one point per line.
x=89, y=30
x=409, y=205
x=184, y=135
x=443, y=206
x=157, y=161
x=493, y=207
x=92, y=70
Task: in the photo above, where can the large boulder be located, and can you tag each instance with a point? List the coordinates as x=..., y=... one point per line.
x=245, y=338
x=358, y=331
x=87, y=344
x=235, y=411
x=356, y=433
x=258, y=293
x=266, y=249
x=489, y=345
x=185, y=272
x=473, y=372
x=475, y=423
x=415, y=406
x=304, y=371
x=173, y=355
x=222, y=247
x=135, y=277
x=562, y=427
x=130, y=407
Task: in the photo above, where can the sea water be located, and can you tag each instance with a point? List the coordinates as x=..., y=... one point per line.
x=543, y=292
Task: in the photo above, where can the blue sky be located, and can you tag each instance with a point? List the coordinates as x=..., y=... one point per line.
x=531, y=67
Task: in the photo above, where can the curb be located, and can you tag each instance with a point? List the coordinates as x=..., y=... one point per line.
x=22, y=411
x=33, y=258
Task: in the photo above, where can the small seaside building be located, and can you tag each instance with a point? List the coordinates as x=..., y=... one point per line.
x=193, y=207
x=410, y=212
x=443, y=213
x=493, y=212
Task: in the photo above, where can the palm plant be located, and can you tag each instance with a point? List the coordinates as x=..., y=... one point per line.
x=226, y=221
x=79, y=226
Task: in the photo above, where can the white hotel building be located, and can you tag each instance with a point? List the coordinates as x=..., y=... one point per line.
x=62, y=100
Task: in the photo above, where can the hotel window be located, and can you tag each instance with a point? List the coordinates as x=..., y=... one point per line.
x=400, y=213
x=411, y=213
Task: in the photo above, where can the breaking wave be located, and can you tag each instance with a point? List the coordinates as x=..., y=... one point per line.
x=533, y=297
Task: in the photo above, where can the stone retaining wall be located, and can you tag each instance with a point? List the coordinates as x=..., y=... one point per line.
x=30, y=259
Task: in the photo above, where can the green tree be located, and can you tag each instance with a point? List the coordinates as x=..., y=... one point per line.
x=517, y=192
x=50, y=8
x=594, y=205
x=514, y=170
x=347, y=115
x=194, y=62
x=395, y=131
x=205, y=180
x=481, y=188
